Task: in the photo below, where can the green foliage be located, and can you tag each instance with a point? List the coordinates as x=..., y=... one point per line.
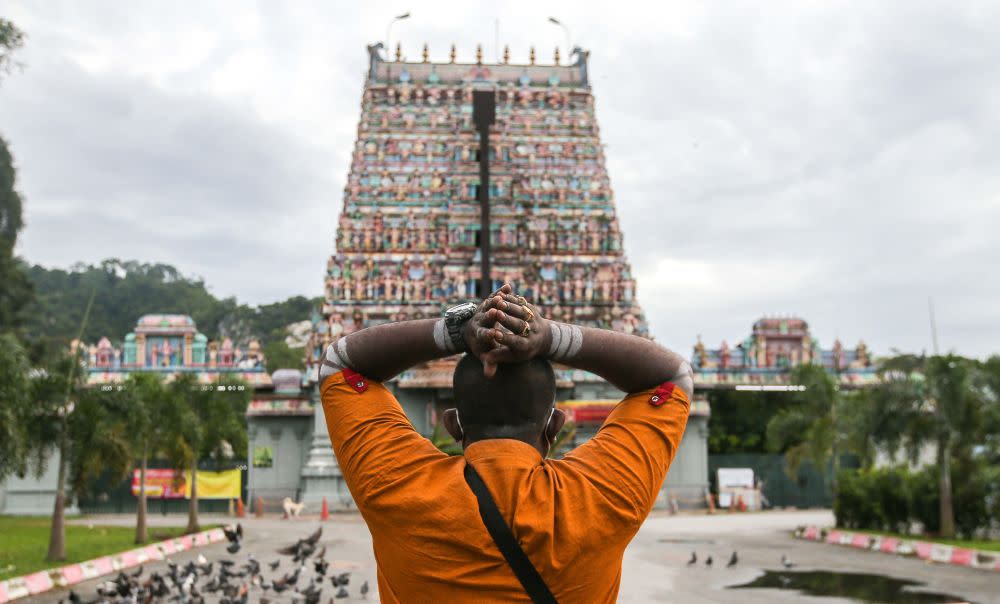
x=739, y=420
x=280, y=356
x=11, y=39
x=202, y=421
x=808, y=428
x=443, y=441
x=126, y=290
x=99, y=438
x=895, y=499
x=562, y=440
x=15, y=406
x=16, y=291
x=25, y=539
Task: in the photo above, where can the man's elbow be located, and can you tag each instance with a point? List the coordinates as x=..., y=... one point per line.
x=683, y=378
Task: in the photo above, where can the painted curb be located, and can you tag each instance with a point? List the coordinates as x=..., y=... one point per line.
x=924, y=550
x=42, y=581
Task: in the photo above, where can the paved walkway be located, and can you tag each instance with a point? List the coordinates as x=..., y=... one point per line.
x=655, y=564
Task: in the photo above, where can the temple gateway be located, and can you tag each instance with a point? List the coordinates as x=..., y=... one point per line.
x=407, y=246
x=407, y=243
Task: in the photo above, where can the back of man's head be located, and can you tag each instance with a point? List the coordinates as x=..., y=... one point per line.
x=514, y=403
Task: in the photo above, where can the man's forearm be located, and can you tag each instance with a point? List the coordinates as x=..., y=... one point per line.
x=630, y=363
x=383, y=351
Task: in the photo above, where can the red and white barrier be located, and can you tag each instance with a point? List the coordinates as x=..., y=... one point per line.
x=932, y=552
x=36, y=583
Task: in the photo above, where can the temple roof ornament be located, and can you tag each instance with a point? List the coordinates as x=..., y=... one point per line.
x=399, y=52
x=531, y=56
x=557, y=55
x=452, y=54
x=425, y=55
x=479, y=54
x=506, y=54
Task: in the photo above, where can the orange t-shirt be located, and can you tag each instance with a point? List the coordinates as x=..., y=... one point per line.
x=573, y=517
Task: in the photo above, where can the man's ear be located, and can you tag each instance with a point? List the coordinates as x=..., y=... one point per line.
x=555, y=424
x=450, y=419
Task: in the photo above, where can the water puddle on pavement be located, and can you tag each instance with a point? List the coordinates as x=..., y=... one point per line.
x=875, y=589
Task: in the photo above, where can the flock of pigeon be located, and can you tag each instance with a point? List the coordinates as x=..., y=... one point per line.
x=227, y=582
x=734, y=560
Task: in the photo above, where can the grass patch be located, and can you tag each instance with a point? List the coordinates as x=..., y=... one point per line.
x=986, y=546
x=25, y=541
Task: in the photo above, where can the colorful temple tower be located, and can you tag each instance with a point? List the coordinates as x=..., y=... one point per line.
x=407, y=240
x=408, y=232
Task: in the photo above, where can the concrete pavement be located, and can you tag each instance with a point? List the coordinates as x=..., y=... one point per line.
x=654, y=568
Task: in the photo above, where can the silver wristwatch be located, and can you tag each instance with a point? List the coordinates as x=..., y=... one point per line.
x=455, y=319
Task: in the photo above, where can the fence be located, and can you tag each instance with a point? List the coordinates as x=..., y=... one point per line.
x=108, y=498
x=810, y=488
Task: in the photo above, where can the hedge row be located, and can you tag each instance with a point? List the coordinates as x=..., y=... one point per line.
x=900, y=500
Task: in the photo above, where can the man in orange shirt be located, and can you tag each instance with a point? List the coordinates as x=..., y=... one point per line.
x=572, y=518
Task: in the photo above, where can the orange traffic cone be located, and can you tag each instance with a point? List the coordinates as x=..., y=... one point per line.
x=259, y=511
x=740, y=504
x=240, y=511
x=324, y=513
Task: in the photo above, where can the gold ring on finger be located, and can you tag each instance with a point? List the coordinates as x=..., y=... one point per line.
x=531, y=315
x=526, y=331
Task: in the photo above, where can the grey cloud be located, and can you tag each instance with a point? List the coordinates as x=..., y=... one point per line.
x=843, y=154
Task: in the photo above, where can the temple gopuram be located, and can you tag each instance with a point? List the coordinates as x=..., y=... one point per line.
x=764, y=359
x=171, y=344
x=408, y=233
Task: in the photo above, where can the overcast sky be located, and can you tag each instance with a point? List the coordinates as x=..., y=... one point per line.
x=835, y=161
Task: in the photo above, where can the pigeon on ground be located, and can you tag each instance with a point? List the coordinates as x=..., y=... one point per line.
x=732, y=560
x=233, y=547
x=341, y=594
x=232, y=534
x=708, y=561
x=274, y=565
x=786, y=562
x=694, y=559
x=364, y=589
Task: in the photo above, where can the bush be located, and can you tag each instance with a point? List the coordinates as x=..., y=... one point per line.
x=893, y=499
x=877, y=499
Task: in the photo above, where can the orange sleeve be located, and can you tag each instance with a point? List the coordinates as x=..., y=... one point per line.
x=629, y=457
x=373, y=440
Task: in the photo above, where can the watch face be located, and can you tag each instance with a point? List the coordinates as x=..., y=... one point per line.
x=461, y=312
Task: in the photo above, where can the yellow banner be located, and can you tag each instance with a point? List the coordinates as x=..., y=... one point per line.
x=215, y=485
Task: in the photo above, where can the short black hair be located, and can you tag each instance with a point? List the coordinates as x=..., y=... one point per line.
x=514, y=403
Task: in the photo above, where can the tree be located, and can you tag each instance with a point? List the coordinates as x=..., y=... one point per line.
x=205, y=423
x=147, y=411
x=16, y=292
x=280, y=356
x=938, y=403
x=56, y=387
x=11, y=39
x=809, y=428
x=15, y=407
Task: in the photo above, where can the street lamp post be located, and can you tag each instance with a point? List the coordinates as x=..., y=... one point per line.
x=388, y=32
x=569, y=42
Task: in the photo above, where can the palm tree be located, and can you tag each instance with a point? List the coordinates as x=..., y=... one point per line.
x=206, y=422
x=935, y=404
x=808, y=430
x=100, y=442
x=147, y=400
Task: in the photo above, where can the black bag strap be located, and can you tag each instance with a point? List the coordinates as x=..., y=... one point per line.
x=506, y=542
